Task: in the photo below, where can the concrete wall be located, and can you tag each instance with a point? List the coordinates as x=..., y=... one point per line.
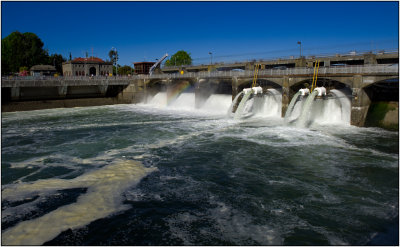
x=83, y=69
x=384, y=114
x=43, y=97
x=116, y=90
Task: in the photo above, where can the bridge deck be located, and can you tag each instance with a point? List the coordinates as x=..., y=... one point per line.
x=388, y=70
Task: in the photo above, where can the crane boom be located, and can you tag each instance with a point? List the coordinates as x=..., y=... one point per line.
x=157, y=64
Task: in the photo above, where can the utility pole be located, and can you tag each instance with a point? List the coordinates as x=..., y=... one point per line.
x=299, y=43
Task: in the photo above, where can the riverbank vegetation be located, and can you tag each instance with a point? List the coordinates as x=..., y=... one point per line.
x=179, y=58
x=25, y=50
x=21, y=51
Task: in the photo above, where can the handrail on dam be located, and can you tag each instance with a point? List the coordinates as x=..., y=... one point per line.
x=351, y=69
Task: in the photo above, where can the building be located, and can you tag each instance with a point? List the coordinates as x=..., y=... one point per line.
x=91, y=66
x=143, y=67
x=39, y=70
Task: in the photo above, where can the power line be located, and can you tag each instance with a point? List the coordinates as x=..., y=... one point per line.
x=293, y=50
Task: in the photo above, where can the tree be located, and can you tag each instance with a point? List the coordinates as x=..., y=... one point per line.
x=56, y=60
x=125, y=70
x=21, y=49
x=23, y=71
x=113, y=54
x=179, y=58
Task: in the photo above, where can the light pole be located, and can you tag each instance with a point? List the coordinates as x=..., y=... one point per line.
x=210, y=57
x=299, y=43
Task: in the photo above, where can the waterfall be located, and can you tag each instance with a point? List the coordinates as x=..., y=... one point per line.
x=239, y=111
x=184, y=101
x=272, y=103
x=345, y=105
x=217, y=103
x=257, y=104
x=160, y=99
x=249, y=106
x=305, y=112
x=326, y=111
x=232, y=109
x=291, y=106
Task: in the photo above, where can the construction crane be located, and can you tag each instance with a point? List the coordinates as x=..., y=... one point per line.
x=157, y=64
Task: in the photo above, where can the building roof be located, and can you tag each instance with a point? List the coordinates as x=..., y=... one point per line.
x=43, y=68
x=89, y=59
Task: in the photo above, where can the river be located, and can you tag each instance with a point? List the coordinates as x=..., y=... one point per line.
x=151, y=174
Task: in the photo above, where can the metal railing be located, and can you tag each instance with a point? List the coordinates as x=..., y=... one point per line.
x=70, y=78
x=125, y=80
x=352, y=53
x=352, y=69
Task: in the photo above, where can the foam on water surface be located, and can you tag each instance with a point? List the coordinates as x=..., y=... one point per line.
x=103, y=198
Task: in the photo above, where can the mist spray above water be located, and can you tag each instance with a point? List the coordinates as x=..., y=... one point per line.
x=306, y=110
x=215, y=104
x=303, y=110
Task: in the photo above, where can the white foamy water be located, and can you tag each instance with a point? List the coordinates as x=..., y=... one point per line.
x=160, y=99
x=345, y=104
x=185, y=101
x=217, y=103
x=326, y=111
x=272, y=104
x=102, y=198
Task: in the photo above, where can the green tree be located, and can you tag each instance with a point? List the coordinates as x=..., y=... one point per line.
x=22, y=69
x=21, y=49
x=125, y=70
x=114, y=71
x=56, y=60
x=113, y=55
x=179, y=58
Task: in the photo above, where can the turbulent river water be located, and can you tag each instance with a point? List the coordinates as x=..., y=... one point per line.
x=151, y=174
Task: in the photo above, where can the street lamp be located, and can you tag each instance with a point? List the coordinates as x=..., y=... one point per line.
x=210, y=57
x=299, y=43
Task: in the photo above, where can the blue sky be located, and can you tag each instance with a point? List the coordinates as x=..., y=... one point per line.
x=232, y=31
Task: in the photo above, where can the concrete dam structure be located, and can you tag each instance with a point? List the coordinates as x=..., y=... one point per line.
x=362, y=85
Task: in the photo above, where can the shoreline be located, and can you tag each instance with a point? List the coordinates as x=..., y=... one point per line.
x=64, y=103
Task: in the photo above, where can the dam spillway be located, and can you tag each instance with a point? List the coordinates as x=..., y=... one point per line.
x=214, y=104
x=333, y=110
x=305, y=109
x=370, y=84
